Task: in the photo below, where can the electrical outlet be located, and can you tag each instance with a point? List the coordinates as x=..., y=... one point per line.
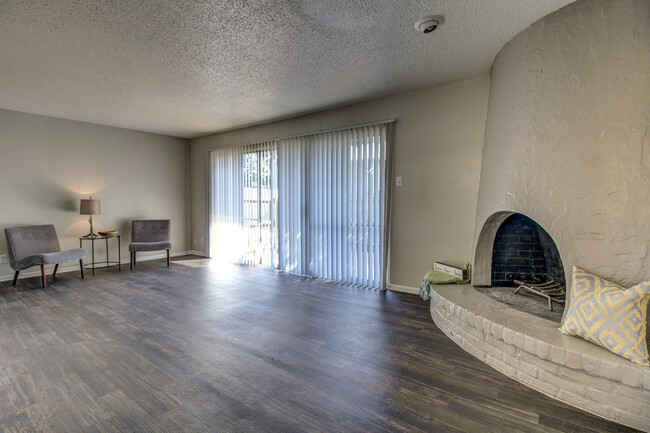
x=398, y=181
x=194, y=242
x=201, y=241
x=3, y=258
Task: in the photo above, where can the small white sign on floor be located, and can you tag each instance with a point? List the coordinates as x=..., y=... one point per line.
x=451, y=270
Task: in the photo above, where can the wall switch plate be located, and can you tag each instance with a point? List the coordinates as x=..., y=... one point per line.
x=398, y=181
x=3, y=258
x=194, y=242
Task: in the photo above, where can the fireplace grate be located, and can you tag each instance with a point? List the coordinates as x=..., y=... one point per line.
x=551, y=290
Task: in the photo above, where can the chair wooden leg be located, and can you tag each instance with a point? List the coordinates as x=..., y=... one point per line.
x=81, y=268
x=168, y=258
x=134, y=259
x=15, y=278
x=43, y=275
x=56, y=268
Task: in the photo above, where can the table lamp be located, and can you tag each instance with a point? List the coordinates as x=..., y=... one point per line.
x=90, y=207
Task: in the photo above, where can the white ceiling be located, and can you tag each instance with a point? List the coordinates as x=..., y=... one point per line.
x=188, y=68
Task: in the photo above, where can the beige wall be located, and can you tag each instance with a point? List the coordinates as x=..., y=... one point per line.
x=48, y=164
x=439, y=136
x=567, y=139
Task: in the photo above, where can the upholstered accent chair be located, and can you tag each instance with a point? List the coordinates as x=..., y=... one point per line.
x=39, y=246
x=149, y=235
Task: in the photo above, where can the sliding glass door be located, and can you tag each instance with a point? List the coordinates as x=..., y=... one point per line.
x=261, y=206
x=313, y=205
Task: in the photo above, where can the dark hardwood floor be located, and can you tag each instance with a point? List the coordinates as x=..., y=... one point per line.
x=202, y=348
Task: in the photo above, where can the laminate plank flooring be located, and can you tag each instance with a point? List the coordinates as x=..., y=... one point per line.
x=199, y=347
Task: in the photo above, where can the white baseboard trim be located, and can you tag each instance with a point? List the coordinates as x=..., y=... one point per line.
x=74, y=266
x=197, y=253
x=404, y=289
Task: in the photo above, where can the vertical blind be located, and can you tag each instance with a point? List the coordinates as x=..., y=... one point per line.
x=226, y=204
x=293, y=212
x=244, y=203
x=313, y=205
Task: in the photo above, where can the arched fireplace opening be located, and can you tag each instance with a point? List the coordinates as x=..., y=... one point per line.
x=513, y=248
x=524, y=251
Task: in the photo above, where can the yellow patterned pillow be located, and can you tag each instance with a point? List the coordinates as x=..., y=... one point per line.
x=609, y=315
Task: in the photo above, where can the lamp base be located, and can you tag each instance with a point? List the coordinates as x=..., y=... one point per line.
x=92, y=231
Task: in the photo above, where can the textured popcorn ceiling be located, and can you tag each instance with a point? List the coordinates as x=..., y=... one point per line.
x=188, y=68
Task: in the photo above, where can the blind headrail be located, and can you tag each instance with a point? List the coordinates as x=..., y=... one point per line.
x=322, y=131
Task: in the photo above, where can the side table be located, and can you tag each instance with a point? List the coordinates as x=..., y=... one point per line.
x=103, y=264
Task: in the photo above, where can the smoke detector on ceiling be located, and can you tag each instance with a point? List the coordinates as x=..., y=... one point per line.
x=429, y=23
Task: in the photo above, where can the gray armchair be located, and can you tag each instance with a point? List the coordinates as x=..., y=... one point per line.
x=38, y=246
x=149, y=235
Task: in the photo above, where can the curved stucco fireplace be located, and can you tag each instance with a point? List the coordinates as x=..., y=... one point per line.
x=567, y=144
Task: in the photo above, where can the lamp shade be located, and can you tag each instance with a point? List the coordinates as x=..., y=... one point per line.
x=90, y=207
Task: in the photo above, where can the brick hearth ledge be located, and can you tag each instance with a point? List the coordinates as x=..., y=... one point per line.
x=532, y=351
